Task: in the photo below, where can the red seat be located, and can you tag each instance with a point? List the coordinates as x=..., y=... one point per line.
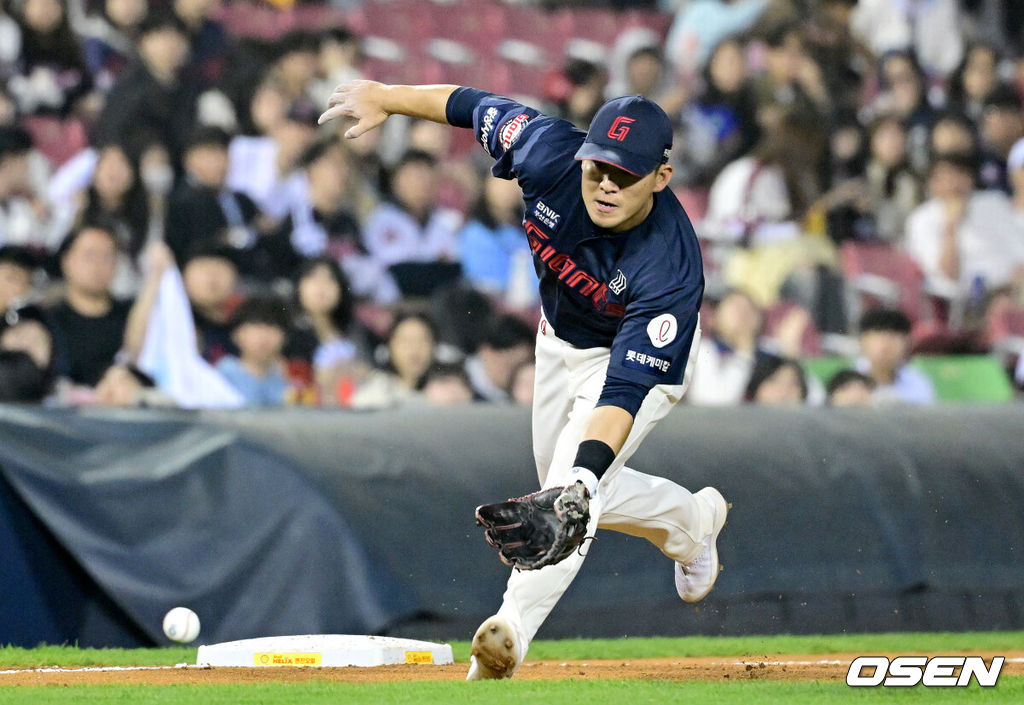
x=549, y=30
x=694, y=201
x=57, y=139
x=657, y=22
x=599, y=25
x=885, y=275
x=1004, y=323
x=394, y=20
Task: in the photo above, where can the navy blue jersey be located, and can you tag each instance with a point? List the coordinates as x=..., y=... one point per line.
x=637, y=292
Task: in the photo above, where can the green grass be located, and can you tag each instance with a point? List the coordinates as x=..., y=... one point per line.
x=568, y=692
x=586, y=648
x=67, y=656
x=1009, y=690
x=783, y=644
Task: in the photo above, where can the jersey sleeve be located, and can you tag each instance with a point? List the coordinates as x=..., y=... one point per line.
x=652, y=346
x=525, y=144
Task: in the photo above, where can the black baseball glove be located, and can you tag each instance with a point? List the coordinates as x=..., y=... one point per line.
x=539, y=529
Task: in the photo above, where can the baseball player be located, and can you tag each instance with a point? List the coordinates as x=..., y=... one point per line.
x=621, y=282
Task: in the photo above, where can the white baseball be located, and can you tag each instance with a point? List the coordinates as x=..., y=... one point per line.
x=181, y=625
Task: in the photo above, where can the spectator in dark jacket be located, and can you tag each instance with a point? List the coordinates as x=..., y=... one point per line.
x=210, y=276
x=209, y=44
x=108, y=36
x=152, y=96
x=203, y=211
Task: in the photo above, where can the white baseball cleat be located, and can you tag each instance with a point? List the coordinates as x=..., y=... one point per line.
x=695, y=579
x=495, y=651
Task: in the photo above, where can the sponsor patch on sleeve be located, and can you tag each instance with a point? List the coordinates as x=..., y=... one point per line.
x=647, y=362
x=486, y=125
x=662, y=330
x=511, y=130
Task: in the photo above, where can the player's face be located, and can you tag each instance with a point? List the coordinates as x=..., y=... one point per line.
x=617, y=200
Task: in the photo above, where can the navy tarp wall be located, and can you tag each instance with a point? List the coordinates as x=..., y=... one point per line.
x=315, y=521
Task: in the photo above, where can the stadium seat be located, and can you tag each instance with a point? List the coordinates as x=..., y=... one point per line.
x=1004, y=326
x=694, y=200
x=549, y=30
x=957, y=378
x=882, y=274
x=597, y=24
x=464, y=21
x=264, y=21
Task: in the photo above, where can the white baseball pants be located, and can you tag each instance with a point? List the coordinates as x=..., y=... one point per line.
x=568, y=384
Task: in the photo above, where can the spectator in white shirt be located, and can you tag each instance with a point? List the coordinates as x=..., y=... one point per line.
x=23, y=218
x=885, y=346
x=725, y=360
x=964, y=240
x=259, y=164
x=931, y=27
x=759, y=198
x=411, y=227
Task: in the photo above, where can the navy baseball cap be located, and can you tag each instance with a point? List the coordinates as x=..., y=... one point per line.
x=632, y=133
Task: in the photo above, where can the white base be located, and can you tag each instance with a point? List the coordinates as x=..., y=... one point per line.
x=324, y=650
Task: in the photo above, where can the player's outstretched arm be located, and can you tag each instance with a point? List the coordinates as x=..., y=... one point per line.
x=610, y=425
x=370, y=103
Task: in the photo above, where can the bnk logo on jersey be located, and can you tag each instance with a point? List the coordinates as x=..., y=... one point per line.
x=935, y=672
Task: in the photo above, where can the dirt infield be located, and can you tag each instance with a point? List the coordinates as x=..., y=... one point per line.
x=719, y=668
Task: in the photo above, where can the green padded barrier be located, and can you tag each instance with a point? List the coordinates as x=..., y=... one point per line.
x=966, y=377
x=824, y=368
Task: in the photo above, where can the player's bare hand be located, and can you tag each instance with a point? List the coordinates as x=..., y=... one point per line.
x=356, y=99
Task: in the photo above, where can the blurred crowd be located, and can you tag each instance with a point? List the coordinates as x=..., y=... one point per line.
x=175, y=229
